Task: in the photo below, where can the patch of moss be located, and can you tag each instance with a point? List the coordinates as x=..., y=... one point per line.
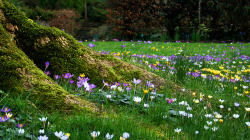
x=19, y=75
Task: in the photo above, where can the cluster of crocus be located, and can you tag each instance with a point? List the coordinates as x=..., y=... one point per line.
x=82, y=81
x=7, y=114
x=95, y=134
x=117, y=86
x=61, y=135
x=46, y=66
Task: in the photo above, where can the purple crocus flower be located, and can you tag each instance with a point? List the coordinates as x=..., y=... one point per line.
x=115, y=39
x=3, y=118
x=80, y=41
x=46, y=64
x=67, y=75
x=6, y=110
x=117, y=84
x=71, y=81
x=136, y=81
x=169, y=100
x=57, y=77
x=20, y=125
x=123, y=46
x=124, y=84
x=148, y=83
x=79, y=84
x=105, y=83
x=47, y=72
x=236, y=104
x=92, y=86
x=128, y=88
x=149, y=42
x=91, y=45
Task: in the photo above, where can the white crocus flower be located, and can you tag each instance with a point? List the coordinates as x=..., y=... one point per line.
x=146, y=105
x=41, y=131
x=125, y=135
x=236, y=116
x=20, y=131
x=59, y=135
x=95, y=134
x=43, y=119
x=108, y=96
x=215, y=129
x=177, y=130
x=108, y=137
x=137, y=99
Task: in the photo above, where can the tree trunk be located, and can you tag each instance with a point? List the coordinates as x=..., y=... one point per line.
x=199, y=17
x=86, y=10
x=23, y=43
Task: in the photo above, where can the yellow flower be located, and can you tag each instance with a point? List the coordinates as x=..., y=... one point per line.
x=209, y=96
x=221, y=67
x=82, y=75
x=8, y=115
x=220, y=120
x=121, y=138
x=162, y=47
x=216, y=72
x=68, y=134
x=145, y=91
x=196, y=101
x=245, y=70
x=235, y=88
x=194, y=93
x=201, y=95
x=246, y=92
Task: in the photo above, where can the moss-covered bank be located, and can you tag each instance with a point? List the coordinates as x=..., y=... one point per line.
x=19, y=75
x=66, y=54
x=25, y=47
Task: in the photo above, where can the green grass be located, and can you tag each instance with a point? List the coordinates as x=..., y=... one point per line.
x=121, y=114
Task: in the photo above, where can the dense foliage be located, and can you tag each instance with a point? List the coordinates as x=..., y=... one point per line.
x=157, y=19
x=180, y=19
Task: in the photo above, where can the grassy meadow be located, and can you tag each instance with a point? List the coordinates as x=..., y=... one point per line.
x=207, y=97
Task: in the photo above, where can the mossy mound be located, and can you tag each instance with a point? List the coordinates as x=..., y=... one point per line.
x=67, y=55
x=20, y=75
x=25, y=47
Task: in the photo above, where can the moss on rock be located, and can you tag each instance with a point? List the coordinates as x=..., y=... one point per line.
x=19, y=75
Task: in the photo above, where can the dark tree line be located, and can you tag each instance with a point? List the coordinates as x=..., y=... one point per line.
x=210, y=19
x=172, y=19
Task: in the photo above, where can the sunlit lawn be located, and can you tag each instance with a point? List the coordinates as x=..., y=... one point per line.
x=211, y=101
